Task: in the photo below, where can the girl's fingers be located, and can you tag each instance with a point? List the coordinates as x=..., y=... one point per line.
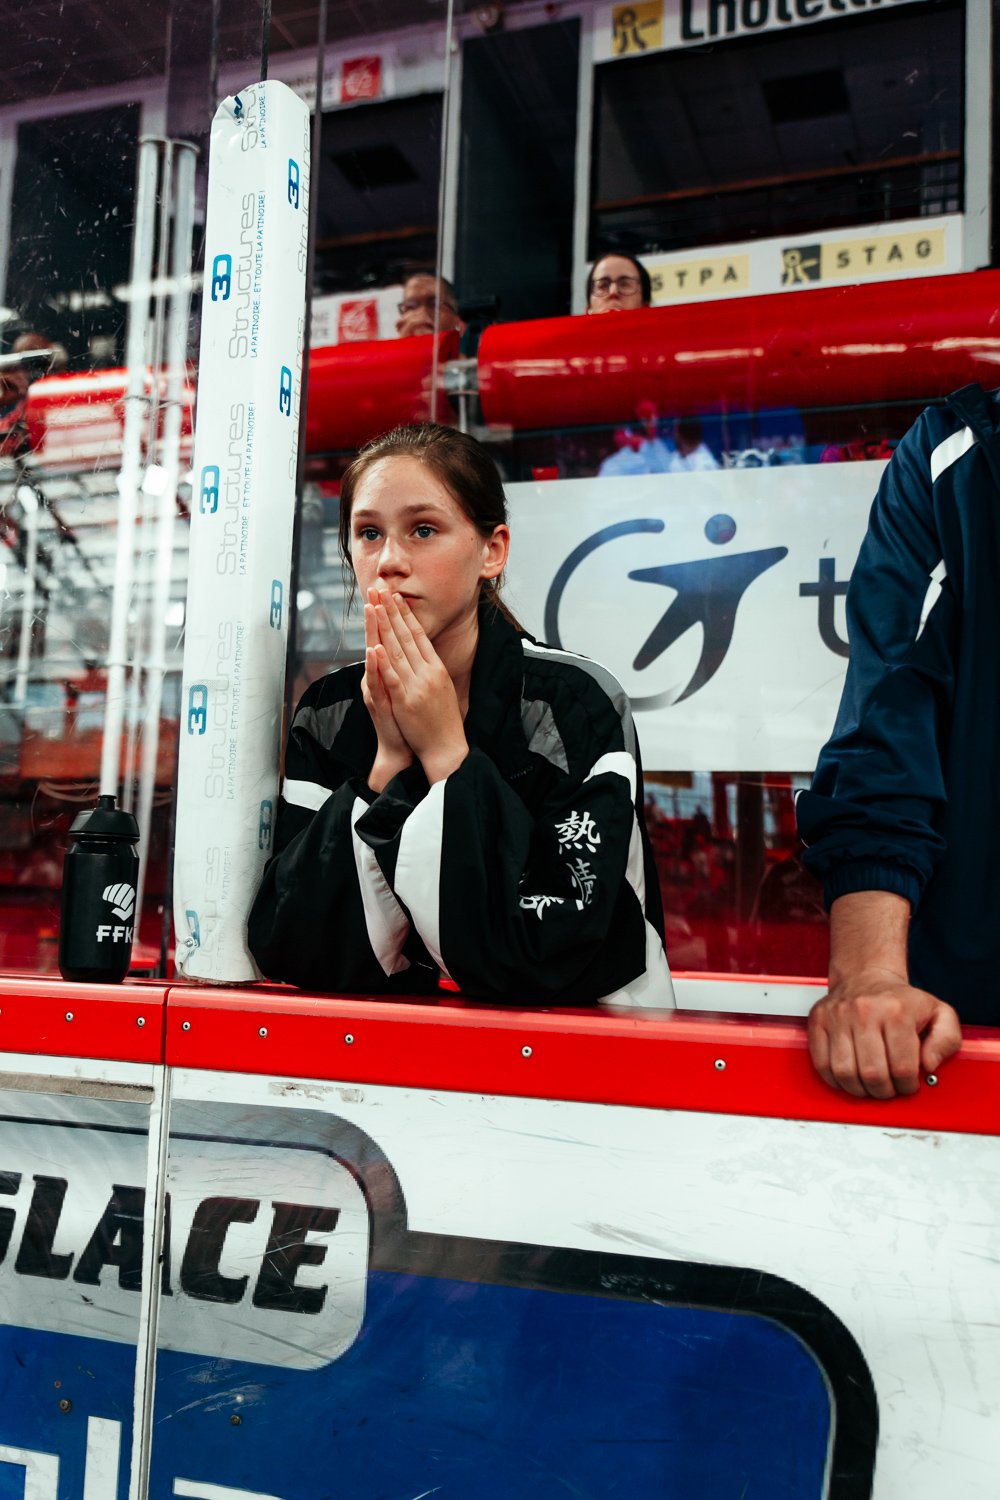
x=397, y=640
x=386, y=671
x=371, y=679
x=371, y=629
x=400, y=629
x=417, y=631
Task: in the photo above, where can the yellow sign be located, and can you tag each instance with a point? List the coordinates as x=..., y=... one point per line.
x=637, y=28
x=700, y=278
x=875, y=255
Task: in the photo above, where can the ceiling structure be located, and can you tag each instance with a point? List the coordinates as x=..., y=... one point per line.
x=62, y=46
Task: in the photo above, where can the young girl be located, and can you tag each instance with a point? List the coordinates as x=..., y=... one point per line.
x=467, y=803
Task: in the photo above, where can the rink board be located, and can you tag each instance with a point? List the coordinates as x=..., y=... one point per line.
x=380, y=1284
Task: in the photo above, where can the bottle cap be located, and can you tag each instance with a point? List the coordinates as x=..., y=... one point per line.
x=105, y=821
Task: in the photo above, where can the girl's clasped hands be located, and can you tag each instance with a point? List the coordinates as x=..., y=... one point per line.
x=409, y=693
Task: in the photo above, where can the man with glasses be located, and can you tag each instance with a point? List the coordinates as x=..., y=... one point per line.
x=428, y=302
x=618, y=283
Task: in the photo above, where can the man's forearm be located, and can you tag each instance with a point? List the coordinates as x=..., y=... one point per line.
x=868, y=935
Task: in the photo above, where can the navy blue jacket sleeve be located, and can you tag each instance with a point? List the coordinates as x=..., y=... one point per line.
x=871, y=818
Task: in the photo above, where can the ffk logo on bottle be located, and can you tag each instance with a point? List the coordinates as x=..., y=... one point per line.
x=121, y=899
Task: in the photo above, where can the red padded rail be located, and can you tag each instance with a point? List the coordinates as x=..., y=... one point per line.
x=357, y=391
x=672, y=1062
x=853, y=345
x=56, y=1018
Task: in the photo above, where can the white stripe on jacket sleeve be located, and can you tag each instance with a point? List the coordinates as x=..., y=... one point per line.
x=386, y=921
x=305, y=793
x=417, y=877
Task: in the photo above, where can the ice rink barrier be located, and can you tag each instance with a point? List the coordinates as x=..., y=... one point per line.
x=414, y=1249
x=242, y=512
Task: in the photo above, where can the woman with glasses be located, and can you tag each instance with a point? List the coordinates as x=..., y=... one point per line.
x=618, y=283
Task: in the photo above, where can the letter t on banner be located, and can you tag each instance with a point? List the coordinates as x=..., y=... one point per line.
x=243, y=506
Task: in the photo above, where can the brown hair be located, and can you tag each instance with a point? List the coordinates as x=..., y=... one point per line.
x=461, y=464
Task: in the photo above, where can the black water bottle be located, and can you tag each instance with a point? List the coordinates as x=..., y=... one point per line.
x=98, y=895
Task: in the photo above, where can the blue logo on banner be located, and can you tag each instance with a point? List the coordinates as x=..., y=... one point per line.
x=277, y=596
x=210, y=477
x=237, y=107
x=285, y=391
x=197, y=708
x=194, y=927
x=293, y=182
x=222, y=278
x=264, y=826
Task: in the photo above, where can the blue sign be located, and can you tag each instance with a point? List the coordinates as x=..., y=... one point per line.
x=222, y=278
x=264, y=827
x=209, y=498
x=197, y=716
x=285, y=391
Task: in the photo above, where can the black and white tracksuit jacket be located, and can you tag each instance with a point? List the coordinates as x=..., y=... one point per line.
x=906, y=796
x=526, y=876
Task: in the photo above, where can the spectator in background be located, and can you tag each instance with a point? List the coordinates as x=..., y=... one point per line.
x=641, y=450
x=32, y=355
x=426, y=298
x=618, y=283
x=691, y=452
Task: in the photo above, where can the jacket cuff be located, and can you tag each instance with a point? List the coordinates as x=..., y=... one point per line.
x=389, y=810
x=861, y=876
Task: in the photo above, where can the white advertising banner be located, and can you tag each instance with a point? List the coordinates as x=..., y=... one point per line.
x=715, y=598
x=355, y=317
x=246, y=449
x=789, y=263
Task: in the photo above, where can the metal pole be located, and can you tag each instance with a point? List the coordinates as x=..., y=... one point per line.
x=449, y=35
x=145, y=560
x=29, y=507
x=128, y=478
x=167, y=479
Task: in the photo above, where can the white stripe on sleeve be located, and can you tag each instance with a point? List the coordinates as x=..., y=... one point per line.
x=946, y=453
x=417, y=876
x=654, y=988
x=385, y=919
x=305, y=793
x=620, y=763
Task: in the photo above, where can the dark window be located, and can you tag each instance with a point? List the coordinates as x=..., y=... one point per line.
x=378, y=193
x=858, y=121
x=74, y=186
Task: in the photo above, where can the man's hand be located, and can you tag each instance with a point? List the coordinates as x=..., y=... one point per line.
x=873, y=1034
x=874, y=1031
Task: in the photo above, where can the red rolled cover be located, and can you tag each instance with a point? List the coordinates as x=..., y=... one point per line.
x=79, y=419
x=828, y=346
x=357, y=391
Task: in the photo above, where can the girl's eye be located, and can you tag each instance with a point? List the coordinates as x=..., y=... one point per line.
x=424, y=530
x=368, y=534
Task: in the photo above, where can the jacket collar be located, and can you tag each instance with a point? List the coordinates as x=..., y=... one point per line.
x=494, y=717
